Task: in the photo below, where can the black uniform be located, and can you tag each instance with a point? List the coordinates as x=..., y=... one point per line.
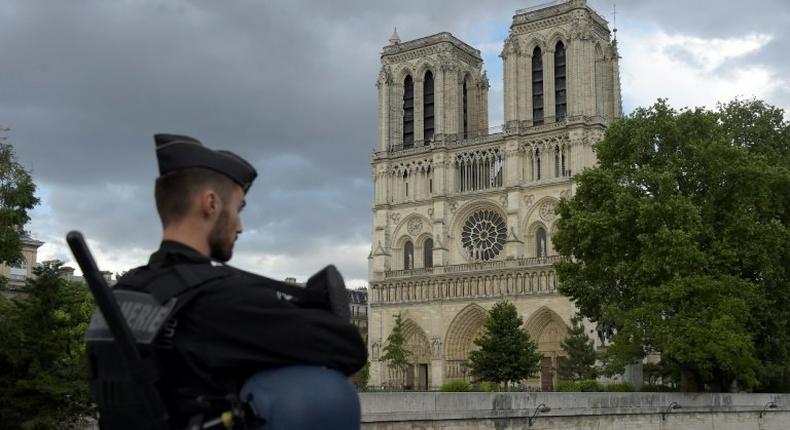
x=234, y=325
x=222, y=324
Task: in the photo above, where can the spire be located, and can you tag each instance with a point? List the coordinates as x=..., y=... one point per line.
x=614, y=19
x=395, y=39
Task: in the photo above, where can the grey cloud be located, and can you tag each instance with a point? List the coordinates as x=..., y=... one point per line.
x=287, y=84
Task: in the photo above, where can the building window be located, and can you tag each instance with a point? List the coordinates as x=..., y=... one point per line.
x=537, y=87
x=540, y=242
x=479, y=170
x=466, y=111
x=19, y=269
x=483, y=235
x=408, y=112
x=427, y=253
x=557, y=172
x=560, y=96
x=537, y=164
x=427, y=104
x=408, y=255
x=564, y=170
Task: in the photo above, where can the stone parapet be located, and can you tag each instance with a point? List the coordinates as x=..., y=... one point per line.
x=428, y=410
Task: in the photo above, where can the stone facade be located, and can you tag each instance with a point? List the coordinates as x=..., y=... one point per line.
x=463, y=215
x=18, y=273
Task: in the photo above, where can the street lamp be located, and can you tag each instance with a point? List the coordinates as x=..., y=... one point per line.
x=672, y=406
x=541, y=409
x=769, y=405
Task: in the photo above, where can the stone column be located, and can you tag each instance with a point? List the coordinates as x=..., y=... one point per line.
x=438, y=102
x=525, y=86
x=548, y=86
x=419, y=130
x=384, y=109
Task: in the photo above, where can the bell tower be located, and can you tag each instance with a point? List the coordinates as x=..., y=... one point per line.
x=560, y=62
x=430, y=89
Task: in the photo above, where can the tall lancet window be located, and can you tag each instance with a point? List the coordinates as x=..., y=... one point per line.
x=557, y=171
x=537, y=164
x=427, y=106
x=427, y=253
x=408, y=112
x=537, y=87
x=466, y=111
x=540, y=242
x=560, y=95
x=408, y=256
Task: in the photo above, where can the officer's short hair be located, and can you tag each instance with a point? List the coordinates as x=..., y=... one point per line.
x=174, y=191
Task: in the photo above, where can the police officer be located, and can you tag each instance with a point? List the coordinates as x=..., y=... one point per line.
x=232, y=332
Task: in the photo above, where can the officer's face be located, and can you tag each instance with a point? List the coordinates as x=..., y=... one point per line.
x=227, y=227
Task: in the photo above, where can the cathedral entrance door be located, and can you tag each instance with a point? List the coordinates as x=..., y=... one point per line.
x=409, y=377
x=422, y=377
x=546, y=377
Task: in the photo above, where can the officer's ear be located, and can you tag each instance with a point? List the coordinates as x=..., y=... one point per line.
x=210, y=203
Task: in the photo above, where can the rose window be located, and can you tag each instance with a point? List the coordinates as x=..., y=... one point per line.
x=483, y=235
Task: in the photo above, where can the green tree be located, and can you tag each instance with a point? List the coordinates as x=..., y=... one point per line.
x=505, y=352
x=580, y=361
x=17, y=197
x=680, y=240
x=43, y=384
x=395, y=352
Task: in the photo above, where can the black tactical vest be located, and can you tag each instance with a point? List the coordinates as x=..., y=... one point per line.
x=149, y=300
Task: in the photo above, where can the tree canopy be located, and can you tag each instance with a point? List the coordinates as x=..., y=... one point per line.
x=395, y=352
x=579, y=363
x=17, y=197
x=505, y=352
x=43, y=384
x=680, y=241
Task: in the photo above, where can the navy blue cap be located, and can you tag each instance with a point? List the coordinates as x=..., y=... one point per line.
x=177, y=152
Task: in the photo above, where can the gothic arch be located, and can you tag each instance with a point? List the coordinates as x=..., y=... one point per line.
x=401, y=230
x=425, y=67
x=547, y=329
x=557, y=37
x=416, y=342
x=533, y=214
x=402, y=73
x=532, y=44
x=462, y=332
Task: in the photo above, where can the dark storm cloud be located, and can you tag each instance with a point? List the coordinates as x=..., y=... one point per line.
x=287, y=84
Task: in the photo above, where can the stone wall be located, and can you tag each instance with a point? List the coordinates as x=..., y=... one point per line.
x=642, y=411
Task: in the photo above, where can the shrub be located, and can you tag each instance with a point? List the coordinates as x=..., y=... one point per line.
x=568, y=387
x=657, y=388
x=485, y=387
x=589, y=385
x=620, y=388
x=457, y=386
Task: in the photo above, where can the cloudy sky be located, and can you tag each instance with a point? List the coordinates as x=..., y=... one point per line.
x=288, y=84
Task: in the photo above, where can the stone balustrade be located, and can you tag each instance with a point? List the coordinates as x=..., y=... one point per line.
x=470, y=280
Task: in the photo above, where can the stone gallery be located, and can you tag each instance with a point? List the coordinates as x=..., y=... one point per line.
x=464, y=213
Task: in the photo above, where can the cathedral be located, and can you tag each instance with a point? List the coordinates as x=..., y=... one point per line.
x=464, y=213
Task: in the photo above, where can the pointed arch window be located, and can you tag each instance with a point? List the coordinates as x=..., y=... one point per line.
x=560, y=95
x=536, y=169
x=427, y=106
x=427, y=253
x=408, y=255
x=466, y=110
x=537, y=87
x=540, y=242
x=408, y=112
x=557, y=172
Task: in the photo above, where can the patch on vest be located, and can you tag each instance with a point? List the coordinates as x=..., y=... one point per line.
x=143, y=314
